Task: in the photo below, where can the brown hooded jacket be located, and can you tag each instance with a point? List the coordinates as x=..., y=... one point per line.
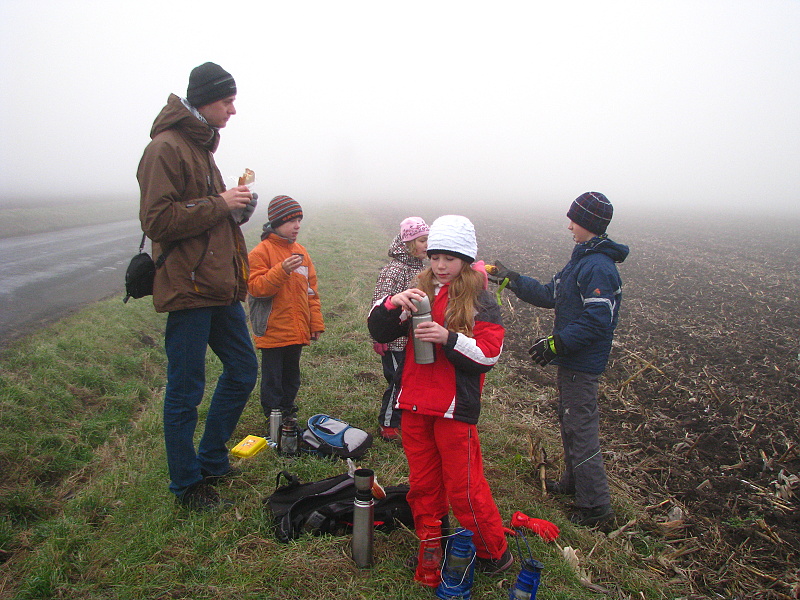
x=182, y=212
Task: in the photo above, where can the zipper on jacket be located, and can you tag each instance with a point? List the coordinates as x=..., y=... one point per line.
x=200, y=261
x=210, y=191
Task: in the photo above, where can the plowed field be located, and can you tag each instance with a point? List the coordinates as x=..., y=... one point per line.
x=700, y=408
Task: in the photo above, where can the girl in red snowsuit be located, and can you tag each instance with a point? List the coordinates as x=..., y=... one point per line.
x=441, y=401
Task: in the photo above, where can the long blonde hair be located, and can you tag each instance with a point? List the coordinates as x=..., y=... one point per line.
x=459, y=316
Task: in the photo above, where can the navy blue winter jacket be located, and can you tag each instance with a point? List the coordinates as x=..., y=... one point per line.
x=586, y=295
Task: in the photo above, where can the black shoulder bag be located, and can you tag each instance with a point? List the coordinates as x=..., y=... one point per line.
x=141, y=272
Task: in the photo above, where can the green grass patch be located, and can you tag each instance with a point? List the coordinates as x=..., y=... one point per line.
x=86, y=513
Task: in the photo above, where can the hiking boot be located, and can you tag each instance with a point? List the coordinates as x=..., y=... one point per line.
x=554, y=487
x=495, y=566
x=215, y=479
x=201, y=496
x=590, y=517
x=389, y=434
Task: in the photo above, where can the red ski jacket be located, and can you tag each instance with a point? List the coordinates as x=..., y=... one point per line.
x=451, y=386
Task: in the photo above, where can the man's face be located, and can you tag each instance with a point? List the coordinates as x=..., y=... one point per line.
x=217, y=113
x=579, y=234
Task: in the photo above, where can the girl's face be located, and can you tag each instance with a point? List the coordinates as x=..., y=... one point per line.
x=420, y=247
x=445, y=267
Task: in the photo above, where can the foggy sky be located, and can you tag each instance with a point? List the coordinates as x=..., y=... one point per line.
x=656, y=104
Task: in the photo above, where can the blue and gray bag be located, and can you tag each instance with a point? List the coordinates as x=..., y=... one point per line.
x=330, y=436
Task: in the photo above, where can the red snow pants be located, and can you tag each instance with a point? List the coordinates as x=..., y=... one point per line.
x=446, y=471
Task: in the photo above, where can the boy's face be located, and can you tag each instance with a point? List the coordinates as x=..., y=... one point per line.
x=580, y=234
x=289, y=229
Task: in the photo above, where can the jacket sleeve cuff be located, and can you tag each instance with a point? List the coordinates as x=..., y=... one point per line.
x=452, y=338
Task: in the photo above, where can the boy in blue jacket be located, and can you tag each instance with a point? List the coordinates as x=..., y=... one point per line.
x=586, y=296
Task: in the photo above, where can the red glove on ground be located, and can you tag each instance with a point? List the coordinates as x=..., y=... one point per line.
x=544, y=529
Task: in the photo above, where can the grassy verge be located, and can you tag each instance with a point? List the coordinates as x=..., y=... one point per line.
x=85, y=509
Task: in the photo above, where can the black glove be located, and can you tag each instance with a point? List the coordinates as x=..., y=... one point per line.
x=545, y=350
x=500, y=273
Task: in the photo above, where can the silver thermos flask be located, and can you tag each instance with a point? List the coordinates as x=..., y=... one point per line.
x=423, y=351
x=288, y=445
x=363, y=518
x=275, y=420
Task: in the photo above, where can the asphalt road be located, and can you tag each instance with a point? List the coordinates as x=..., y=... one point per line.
x=44, y=277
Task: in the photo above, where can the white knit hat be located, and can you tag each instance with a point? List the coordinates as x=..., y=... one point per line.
x=454, y=235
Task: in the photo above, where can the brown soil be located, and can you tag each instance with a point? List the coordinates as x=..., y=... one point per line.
x=700, y=406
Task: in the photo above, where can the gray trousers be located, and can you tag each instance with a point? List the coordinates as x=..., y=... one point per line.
x=579, y=419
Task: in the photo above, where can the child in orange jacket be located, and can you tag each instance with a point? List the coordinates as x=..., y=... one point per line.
x=285, y=310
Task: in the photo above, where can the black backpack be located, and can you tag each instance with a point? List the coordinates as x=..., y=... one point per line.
x=326, y=507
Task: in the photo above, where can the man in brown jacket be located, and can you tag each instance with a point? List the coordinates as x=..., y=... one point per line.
x=187, y=212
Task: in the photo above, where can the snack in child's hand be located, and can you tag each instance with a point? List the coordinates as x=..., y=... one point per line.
x=490, y=269
x=248, y=177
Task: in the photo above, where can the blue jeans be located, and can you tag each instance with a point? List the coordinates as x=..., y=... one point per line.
x=188, y=333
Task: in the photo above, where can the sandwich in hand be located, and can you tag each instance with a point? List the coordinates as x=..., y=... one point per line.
x=248, y=177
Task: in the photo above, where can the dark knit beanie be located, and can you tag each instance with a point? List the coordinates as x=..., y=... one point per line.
x=592, y=211
x=208, y=83
x=282, y=209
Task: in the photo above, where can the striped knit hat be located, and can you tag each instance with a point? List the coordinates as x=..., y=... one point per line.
x=592, y=211
x=282, y=209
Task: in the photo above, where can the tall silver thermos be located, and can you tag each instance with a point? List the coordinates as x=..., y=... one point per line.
x=275, y=421
x=363, y=518
x=423, y=351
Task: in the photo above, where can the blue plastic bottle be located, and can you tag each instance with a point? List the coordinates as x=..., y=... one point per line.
x=458, y=571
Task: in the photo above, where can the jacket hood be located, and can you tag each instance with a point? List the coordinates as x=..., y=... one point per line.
x=175, y=115
x=398, y=251
x=602, y=244
x=267, y=231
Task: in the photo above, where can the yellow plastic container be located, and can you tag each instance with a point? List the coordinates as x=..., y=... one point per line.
x=249, y=446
